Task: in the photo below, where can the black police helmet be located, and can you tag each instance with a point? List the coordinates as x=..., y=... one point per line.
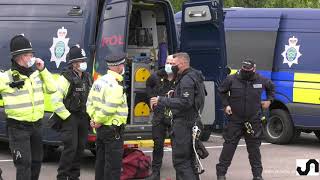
x=76, y=54
x=116, y=60
x=19, y=45
x=248, y=64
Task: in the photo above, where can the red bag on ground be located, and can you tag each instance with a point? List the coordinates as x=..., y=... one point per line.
x=135, y=164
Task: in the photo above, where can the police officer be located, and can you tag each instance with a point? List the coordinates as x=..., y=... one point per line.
x=159, y=84
x=184, y=112
x=107, y=107
x=70, y=103
x=241, y=97
x=22, y=89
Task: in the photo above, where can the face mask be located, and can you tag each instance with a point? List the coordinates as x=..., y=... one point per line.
x=168, y=68
x=31, y=62
x=83, y=66
x=175, y=69
x=246, y=75
x=123, y=71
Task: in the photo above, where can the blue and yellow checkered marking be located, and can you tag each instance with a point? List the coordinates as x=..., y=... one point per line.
x=306, y=88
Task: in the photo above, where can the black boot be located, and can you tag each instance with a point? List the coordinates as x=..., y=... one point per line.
x=0, y=174
x=221, y=178
x=257, y=178
x=154, y=176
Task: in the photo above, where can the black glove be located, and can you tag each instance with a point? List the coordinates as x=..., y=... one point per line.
x=55, y=122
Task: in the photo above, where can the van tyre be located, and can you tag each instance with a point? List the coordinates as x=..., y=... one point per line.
x=317, y=133
x=279, y=128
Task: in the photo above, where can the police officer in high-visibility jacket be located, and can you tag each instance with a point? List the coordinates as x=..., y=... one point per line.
x=70, y=103
x=22, y=89
x=107, y=107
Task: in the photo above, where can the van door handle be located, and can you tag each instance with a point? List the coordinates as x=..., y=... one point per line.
x=75, y=11
x=197, y=13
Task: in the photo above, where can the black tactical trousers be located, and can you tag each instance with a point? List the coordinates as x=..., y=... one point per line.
x=25, y=142
x=182, y=153
x=109, y=154
x=74, y=134
x=160, y=127
x=232, y=134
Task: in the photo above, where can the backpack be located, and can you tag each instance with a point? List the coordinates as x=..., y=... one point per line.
x=200, y=93
x=135, y=164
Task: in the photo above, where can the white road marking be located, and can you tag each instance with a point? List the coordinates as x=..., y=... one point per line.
x=208, y=147
x=215, y=136
x=240, y=145
x=6, y=160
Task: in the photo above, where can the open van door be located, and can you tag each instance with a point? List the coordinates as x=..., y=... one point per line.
x=113, y=30
x=203, y=38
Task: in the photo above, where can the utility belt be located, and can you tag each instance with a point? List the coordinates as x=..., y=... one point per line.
x=23, y=124
x=117, y=131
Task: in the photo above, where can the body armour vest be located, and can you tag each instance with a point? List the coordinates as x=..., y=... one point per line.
x=78, y=91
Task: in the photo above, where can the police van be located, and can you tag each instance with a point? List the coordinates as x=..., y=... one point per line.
x=143, y=29
x=284, y=44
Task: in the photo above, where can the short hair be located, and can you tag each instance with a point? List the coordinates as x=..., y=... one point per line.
x=182, y=55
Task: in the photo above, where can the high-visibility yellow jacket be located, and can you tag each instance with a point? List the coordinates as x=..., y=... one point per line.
x=107, y=102
x=57, y=100
x=27, y=103
x=62, y=92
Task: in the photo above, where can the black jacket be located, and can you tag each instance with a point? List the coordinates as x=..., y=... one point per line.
x=182, y=103
x=76, y=98
x=245, y=95
x=159, y=85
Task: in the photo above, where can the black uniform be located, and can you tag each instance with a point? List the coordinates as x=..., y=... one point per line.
x=74, y=130
x=182, y=105
x=245, y=103
x=158, y=85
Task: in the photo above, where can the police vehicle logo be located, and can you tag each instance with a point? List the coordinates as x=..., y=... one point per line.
x=60, y=48
x=291, y=53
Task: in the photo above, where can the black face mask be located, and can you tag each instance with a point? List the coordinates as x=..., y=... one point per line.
x=246, y=75
x=175, y=69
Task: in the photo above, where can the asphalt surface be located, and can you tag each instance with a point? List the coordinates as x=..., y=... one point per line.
x=279, y=161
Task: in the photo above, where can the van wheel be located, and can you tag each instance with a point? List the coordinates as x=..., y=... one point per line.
x=296, y=136
x=279, y=128
x=317, y=133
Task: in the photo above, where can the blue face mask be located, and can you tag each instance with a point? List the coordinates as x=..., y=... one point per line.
x=168, y=68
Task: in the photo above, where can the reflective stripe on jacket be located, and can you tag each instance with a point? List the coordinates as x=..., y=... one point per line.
x=107, y=102
x=27, y=103
x=57, y=100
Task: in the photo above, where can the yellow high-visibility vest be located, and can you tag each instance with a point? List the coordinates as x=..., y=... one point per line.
x=107, y=102
x=58, y=97
x=27, y=103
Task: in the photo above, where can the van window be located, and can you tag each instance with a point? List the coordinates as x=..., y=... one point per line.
x=112, y=34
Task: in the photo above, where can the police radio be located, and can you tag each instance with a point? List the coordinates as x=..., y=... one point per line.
x=17, y=82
